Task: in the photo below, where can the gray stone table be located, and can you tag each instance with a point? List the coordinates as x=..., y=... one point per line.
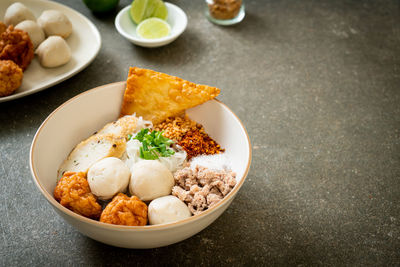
x=317, y=85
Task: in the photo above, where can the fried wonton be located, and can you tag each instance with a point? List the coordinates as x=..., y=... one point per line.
x=156, y=96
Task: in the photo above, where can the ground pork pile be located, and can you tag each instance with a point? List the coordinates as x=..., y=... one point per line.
x=201, y=188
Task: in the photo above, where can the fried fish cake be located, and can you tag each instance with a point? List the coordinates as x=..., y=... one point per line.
x=10, y=77
x=16, y=45
x=121, y=127
x=156, y=96
x=73, y=192
x=91, y=150
x=124, y=210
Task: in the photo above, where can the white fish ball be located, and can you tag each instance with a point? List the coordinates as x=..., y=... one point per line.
x=107, y=177
x=167, y=209
x=53, y=52
x=16, y=13
x=54, y=22
x=34, y=31
x=150, y=179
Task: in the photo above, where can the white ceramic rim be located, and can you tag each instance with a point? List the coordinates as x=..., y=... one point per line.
x=150, y=41
x=52, y=201
x=76, y=71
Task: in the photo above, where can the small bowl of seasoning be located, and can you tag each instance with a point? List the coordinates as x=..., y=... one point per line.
x=225, y=12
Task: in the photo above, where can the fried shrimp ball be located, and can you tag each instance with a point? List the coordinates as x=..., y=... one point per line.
x=16, y=45
x=73, y=192
x=10, y=77
x=124, y=210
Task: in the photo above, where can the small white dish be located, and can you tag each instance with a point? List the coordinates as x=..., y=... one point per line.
x=86, y=113
x=177, y=19
x=85, y=43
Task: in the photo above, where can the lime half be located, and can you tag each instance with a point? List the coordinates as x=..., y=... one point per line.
x=153, y=28
x=143, y=9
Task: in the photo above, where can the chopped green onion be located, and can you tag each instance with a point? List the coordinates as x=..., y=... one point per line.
x=154, y=144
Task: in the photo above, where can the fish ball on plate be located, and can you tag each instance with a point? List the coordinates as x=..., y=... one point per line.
x=55, y=22
x=34, y=31
x=150, y=179
x=16, y=13
x=53, y=52
x=167, y=209
x=107, y=177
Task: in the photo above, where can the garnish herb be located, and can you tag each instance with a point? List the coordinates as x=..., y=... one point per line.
x=154, y=145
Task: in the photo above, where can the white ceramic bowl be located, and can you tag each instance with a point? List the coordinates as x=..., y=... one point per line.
x=84, y=114
x=177, y=19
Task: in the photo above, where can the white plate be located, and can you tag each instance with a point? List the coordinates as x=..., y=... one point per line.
x=85, y=43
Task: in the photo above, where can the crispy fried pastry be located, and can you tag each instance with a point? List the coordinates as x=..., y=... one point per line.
x=16, y=45
x=73, y=192
x=156, y=96
x=10, y=77
x=124, y=210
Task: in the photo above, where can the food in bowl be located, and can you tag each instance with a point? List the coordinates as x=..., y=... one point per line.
x=202, y=188
x=73, y=192
x=124, y=210
x=150, y=179
x=153, y=28
x=155, y=96
x=156, y=163
x=167, y=209
x=150, y=17
x=107, y=177
x=190, y=135
x=88, y=112
x=143, y=9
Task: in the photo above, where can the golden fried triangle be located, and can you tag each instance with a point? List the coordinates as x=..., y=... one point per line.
x=156, y=96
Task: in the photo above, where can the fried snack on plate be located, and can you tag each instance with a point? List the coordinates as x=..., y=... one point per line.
x=3, y=27
x=10, y=77
x=73, y=192
x=156, y=96
x=124, y=210
x=91, y=150
x=16, y=45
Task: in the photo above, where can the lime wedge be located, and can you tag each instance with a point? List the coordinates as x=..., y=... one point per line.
x=160, y=11
x=143, y=9
x=153, y=28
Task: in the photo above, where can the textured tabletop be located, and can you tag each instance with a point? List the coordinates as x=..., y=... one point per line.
x=317, y=86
